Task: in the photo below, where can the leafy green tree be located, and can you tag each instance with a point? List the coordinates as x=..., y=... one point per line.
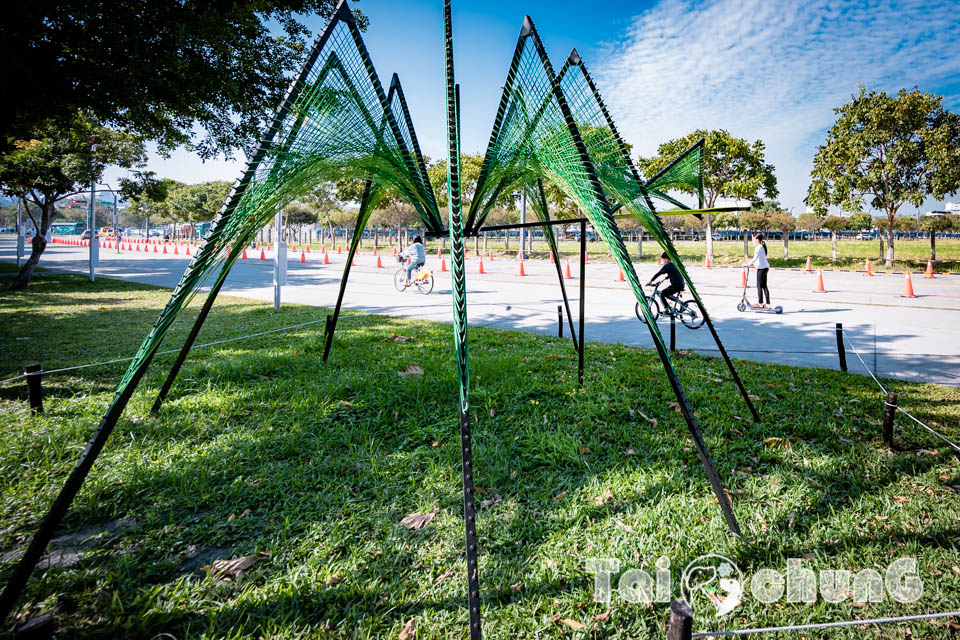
x=732, y=168
x=860, y=222
x=906, y=224
x=153, y=68
x=934, y=225
x=783, y=222
x=887, y=151
x=58, y=161
x=297, y=215
x=325, y=200
x=196, y=202
x=835, y=224
x=810, y=222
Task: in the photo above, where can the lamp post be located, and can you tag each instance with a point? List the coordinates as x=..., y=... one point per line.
x=21, y=234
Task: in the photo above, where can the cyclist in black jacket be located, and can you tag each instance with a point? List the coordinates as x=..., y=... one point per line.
x=670, y=270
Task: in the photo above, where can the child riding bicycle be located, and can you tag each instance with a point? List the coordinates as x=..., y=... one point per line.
x=417, y=255
x=673, y=274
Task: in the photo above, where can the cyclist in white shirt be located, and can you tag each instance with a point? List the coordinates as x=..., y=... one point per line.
x=763, y=268
x=417, y=255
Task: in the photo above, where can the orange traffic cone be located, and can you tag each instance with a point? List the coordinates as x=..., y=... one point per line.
x=491, y=255
x=520, y=271
x=243, y=256
x=439, y=253
x=568, y=274
x=480, y=268
x=443, y=263
x=743, y=277
x=907, y=291
x=326, y=258
x=155, y=249
x=294, y=249
x=809, y=268
x=551, y=257
x=263, y=256
x=394, y=250
x=339, y=249
x=303, y=257
x=176, y=251
x=188, y=249
x=375, y=251
x=869, y=269
x=520, y=256
x=308, y=248
x=706, y=262
x=353, y=261
x=379, y=264
x=819, y=288
x=620, y=277
x=929, y=273
x=164, y=248
x=586, y=258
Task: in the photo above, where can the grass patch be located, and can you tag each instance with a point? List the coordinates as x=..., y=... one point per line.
x=262, y=451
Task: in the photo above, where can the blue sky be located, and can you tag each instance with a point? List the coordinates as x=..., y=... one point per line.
x=760, y=69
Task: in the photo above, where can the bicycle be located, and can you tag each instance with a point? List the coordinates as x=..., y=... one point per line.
x=423, y=279
x=687, y=310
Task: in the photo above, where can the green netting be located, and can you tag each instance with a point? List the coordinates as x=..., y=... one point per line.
x=336, y=122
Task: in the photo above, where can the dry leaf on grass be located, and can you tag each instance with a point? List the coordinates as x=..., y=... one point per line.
x=490, y=502
x=516, y=586
x=778, y=443
x=411, y=370
x=900, y=499
x=332, y=580
x=560, y=496
x=416, y=521
x=397, y=338
x=675, y=406
x=571, y=624
x=443, y=576
x=233, y=567
x=409, y=631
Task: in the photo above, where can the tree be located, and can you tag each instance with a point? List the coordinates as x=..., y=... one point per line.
x=810, y=222
x=755, y=220
x=860, y=222
x=906, y=224
x=784, y=223
x=732, y=168
x=153, y=68
x=835, y=224
x=326, y=202
x=58, y=161
x=888, y=151
x=934, y=225
x=196, y=202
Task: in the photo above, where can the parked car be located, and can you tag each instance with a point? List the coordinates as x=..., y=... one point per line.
x=85, y=235
x=864, y=236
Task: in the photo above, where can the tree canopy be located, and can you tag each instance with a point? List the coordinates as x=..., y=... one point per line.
x=155, y=68
x=886, y=151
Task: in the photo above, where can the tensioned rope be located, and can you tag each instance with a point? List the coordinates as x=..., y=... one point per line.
x=825, y=625
x=952, y=444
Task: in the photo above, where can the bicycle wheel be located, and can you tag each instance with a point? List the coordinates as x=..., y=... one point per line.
x=400, y=279
x=654, y=310
x=690, y=314
x=425, y=285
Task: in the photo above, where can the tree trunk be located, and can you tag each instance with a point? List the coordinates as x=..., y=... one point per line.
x=889, y=260
x=38, y=245
x=709, y=236
x=833, y=239
x=476, y=244
x=485, y=235
x=786, y=244
x=376, y=238
x=746, y=249
x=506, y=241
x=640, y=244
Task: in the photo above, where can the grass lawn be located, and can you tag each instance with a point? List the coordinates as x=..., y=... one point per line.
x=263, y=452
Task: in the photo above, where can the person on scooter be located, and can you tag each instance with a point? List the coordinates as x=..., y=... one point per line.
x=763, y=268
x=417, y=255
x=670, y=270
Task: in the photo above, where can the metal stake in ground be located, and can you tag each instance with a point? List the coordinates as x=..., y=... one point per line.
x=681, y=621
x=34, y=388
x=889, y=412
x=840, y=349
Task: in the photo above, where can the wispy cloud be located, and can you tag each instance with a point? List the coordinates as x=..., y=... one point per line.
x=772, y=70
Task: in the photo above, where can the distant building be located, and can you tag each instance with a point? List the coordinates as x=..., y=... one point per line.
x=953, y=207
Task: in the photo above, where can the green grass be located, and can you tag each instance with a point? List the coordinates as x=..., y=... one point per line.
x=262, y=450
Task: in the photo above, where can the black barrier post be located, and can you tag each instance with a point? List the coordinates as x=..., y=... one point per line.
x=889, y=411
x=681, y=621
x=559, y=321
x=673, y=332
x=840, y=348
x=34, y=389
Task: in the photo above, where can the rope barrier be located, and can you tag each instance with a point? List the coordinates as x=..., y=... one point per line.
x=825, y=625
x=899, y=408
x=199, y=346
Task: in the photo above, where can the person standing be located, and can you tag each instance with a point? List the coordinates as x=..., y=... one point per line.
x=763, y=268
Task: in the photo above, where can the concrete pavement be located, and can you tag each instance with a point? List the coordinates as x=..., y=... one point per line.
x=912, y=339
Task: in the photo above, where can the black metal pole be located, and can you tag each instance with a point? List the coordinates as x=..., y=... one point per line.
x=583, y=293
x=331, y=325
x=194, y=332
x=681, y=621
x=730, y=367
x=889, y=412
x=470, y=527
x=552, y=243
x=35, y=391
x=841, y=350
x=559, y=321
x=51, y=522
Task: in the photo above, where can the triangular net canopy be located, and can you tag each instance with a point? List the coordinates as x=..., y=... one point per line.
x=336, y=122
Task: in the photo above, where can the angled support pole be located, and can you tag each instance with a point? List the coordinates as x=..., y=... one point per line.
x=552, y=242
x=583, y=297
x=367, y=201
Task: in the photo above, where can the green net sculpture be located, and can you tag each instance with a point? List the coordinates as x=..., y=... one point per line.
x=336, y=121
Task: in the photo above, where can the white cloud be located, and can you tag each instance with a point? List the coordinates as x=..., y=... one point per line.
x=771, y=70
